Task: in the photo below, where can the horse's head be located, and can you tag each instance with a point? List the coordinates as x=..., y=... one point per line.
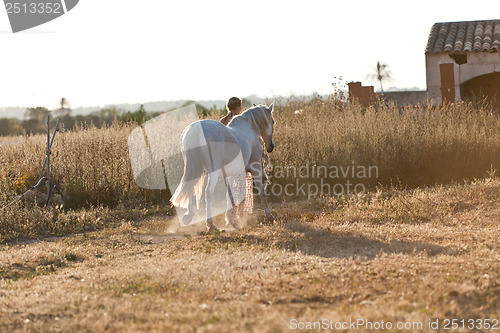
x=261, y=119
x=267, y=132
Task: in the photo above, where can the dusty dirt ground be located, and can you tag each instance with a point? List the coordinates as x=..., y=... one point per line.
x=330, y=263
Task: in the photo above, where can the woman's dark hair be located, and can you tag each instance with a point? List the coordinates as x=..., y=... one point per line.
x=233, y=103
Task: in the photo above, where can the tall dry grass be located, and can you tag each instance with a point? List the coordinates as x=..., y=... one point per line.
x=410, y=147
x=92, y=169
x=91, y=166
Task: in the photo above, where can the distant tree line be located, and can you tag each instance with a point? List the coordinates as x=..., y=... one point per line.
x=34, y=121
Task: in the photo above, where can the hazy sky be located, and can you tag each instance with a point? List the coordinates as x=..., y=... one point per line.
x=124, y=51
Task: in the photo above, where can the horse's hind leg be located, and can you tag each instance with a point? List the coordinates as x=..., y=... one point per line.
x=209, y=194
x=188, y=215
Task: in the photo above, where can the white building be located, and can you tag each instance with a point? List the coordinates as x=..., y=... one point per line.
x=463, y=61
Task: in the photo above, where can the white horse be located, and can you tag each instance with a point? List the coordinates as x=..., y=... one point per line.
x=208, y=147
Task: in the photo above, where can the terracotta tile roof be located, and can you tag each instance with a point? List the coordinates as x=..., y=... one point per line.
x=460, y=37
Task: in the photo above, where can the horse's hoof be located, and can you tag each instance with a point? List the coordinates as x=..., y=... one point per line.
x=268, y=220
x=211, y=227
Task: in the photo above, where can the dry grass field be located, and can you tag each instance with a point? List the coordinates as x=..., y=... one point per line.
x=398, y=257
x=420, y=245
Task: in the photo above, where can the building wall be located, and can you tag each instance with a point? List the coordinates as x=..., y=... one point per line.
x=363, y=95
x=478, y=63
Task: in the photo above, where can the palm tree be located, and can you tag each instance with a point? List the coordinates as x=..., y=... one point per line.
x=64, y=110
x=381, y=74
x=64, y=103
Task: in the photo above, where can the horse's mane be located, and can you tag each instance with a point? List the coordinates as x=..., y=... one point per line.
x=257, y=116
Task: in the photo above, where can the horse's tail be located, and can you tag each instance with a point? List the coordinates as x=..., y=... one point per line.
x=192, y=180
